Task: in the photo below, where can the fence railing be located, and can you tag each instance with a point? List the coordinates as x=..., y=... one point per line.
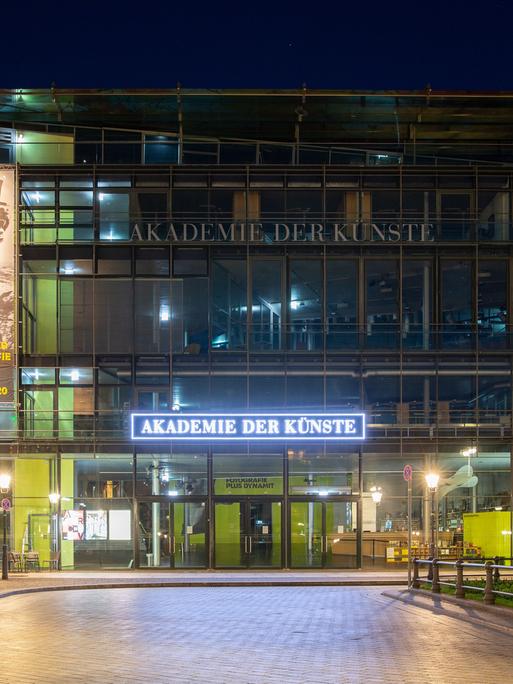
x=491, y=572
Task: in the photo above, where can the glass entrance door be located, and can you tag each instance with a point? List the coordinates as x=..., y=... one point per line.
x=248, y=534
x=323, y=534
x=172, y=535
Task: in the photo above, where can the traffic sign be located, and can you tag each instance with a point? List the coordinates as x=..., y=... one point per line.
x=5, y=504
x=408, y=472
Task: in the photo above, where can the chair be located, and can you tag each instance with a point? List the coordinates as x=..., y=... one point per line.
x=32, y=561
x=15, y=561
x=53, y=561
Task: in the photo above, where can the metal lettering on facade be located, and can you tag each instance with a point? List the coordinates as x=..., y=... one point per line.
x=276, y=233
x=248, y=426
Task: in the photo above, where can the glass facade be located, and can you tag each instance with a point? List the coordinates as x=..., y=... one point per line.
x=156, y=274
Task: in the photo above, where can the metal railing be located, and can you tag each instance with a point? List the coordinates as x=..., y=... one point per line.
x=489, y=571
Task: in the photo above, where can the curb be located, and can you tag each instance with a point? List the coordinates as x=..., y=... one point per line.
x=202, y=584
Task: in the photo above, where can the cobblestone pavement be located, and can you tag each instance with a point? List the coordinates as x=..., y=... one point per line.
x=244, y=636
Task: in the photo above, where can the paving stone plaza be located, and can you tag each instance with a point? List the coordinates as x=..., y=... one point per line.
x=247, y=635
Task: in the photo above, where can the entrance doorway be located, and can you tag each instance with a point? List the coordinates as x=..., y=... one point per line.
x=173, y=534
x=248, y=534
x=323, y=534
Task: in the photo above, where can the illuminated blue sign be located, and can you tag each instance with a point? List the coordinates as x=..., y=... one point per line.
x=248, y=426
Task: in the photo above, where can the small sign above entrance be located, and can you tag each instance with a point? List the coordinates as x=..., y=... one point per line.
x=248, y=426
x=407, y=472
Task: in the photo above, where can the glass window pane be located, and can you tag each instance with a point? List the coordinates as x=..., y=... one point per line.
x=229, y=304
x=191, y=393
x=418, y=399
x=38, y=198
x=152, y=261
x=417, y=304
x=382, y=305
x=494, y=399
x=38, y=376
x=456, y=216
x=114, y=260
x=76, y=376
x=113, y=314
x=160, y=149
x=152, y=316
x=190, y=261
x=153, y=370
x=493, y=215
x=39, y=315
x=492, y=298
x=382, y=398
x=113, y=407
x=457, y=304
x=266, y=309
x=313, y=471
x=305, y=391
x=190, y=205
x=76, y=198
x=76, y=316
x=343, y=392
x=76, y=183
x=114, y=216
x=456, y=399
x=182, y=473
x=305, y=308
x=114, y=371
x=266, y=391
x=243, y=474
x=190, y=316
x=341, y=304
x=118, y=147
x=228, y=392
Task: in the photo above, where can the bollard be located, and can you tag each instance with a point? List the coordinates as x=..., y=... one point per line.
x=460, y=591
x=489, y=596
x=496, y=573
x=415, y=582
x=435, y=588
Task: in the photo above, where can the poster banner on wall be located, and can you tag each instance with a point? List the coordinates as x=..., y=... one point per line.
x=96, y=525
x=7, y=302
x=73, y=525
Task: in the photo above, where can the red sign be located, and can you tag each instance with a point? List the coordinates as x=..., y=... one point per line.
x=408, y=472
x=5, y=504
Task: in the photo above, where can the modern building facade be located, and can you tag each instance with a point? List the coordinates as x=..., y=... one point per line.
x=267, y=253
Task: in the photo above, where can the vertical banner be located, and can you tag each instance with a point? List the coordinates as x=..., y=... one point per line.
x=7, y=286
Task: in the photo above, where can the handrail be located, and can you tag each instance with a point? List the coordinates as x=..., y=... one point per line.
x=490, y=569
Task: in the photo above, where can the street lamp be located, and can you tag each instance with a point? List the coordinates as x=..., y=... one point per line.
x=54, y=497
x=432, y=480
x=377, y=494
x=5, y=484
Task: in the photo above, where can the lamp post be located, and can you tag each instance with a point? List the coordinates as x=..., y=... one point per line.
x=432, y=479
x=5, y=484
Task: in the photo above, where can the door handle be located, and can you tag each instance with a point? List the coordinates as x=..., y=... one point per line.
x=245, y=544
x=250, y=544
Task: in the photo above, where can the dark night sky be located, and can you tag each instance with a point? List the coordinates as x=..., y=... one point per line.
x=450, y=44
